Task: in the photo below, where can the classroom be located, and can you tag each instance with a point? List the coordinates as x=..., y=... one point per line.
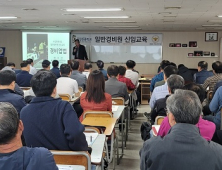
x=101, y=85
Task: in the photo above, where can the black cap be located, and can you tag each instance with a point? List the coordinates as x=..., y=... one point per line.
x=45, y=63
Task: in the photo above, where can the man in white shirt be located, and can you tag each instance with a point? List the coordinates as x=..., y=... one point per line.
x=32, y=69
x=132, y=75
x=87, y=69
x=65, y=84
x=161, y=91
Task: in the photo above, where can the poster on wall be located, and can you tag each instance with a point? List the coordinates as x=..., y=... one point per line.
x=2, y=51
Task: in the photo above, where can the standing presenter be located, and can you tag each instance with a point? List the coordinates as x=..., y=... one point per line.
x=80, y=54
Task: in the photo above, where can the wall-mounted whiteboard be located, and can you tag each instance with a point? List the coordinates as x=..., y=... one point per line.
x=118, y=48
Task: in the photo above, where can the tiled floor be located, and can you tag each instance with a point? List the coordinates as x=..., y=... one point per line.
x=131, y=159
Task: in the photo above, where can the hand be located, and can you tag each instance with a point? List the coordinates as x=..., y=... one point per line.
x=74, y=50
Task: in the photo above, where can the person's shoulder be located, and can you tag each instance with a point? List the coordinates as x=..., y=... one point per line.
x=108, y=96
x=216, y=148
x=154, y=143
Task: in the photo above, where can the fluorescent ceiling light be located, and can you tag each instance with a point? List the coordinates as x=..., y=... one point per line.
x=92, y=10
x=114, y=21
x=130, y=26
x=124, y=28
x=216, y=25
x=109, y=17
x=219, y=16
x=8, y=17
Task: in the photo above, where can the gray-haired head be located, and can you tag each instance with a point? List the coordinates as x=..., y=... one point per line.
x=175, y=82
x=9, y=122
x=185, y=106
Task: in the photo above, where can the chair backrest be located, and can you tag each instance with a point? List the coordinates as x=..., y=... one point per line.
x=92, y=130
x=25, y=88
x=80, y=89
x=209, y=95
x=72, y=158
x=159, y=120
x=118, y=101
x=97, y=114
x=65, y=97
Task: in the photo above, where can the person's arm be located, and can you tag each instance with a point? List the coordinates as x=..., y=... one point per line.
x=75, y=87
x=206, y=84
x=195, y=78
x=130, y=85
x=144, y=156
x=216, y=101
x=44, y=160
x=73, y=130
x=154, y=113
x=74, y=51
x=126, y=95
x=153, y=81
x=153, y=99
x=85, y=53
x=109, y=101
x=18, y=90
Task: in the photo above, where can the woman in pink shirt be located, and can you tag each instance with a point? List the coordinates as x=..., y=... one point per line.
x=206, y=128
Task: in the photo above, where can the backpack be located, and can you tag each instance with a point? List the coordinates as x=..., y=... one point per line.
x=145, y=130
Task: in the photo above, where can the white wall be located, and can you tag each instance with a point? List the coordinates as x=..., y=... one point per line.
x=12, y=40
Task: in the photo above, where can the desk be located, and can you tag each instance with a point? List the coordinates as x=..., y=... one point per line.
x=117, y=114
x=70, y=167
x=108, y=123
x=97, y=149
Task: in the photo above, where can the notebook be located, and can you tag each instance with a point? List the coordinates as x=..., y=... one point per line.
x=90, y=138
x=71, y=167
x=114, y=108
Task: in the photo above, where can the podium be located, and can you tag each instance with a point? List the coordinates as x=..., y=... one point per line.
x=3, y=62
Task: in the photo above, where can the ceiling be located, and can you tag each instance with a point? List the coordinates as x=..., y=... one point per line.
x=148, y=15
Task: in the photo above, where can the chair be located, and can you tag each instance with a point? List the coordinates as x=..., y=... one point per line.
x=25, y=88
x=97, y=114
x=72, y=158
x=209, y=95
x=118, y=101
x=159, y=120
x=92, y=130
x=80, y=89
x=65, y=97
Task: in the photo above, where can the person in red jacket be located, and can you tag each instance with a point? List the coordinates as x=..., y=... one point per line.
x=122, y=78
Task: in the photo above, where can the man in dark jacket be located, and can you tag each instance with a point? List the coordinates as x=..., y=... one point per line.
x=79, y=51
x=182, y=148
x=202, y=73
x=185, y=73
x=12, y=154
x=23, y=78
x=7, y=87
x=49, y=122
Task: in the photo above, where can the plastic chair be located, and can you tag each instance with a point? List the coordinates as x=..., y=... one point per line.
x=159, y=120
x=97, y=114
x=65, y=97
x=72, y=158
x=80, y=89
x=118, y=101
x=25, y=88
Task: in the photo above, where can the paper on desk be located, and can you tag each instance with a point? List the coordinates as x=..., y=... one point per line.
x=155, y=129
x=70, y=167
x=114, y=108
x=90, y=138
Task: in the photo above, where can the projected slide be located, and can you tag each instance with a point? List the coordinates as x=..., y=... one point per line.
x=45, y=45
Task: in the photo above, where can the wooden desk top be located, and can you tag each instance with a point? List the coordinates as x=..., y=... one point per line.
x=106, y=122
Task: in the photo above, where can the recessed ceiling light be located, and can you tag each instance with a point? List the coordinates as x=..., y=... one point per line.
x=109, y=17
x=127, y=26
x=8, y=17
x=92, y=10
x=29, y=9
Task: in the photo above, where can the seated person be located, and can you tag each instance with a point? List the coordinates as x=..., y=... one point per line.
x=173, y=82
x=55, y=69
x=122, y=78
x=183, y=147
x=66, y=85
x=161, y=91
x=46, y=64
x=12, y=154
x=17, y=89
x=159, y=76
x=78, y=76
x=12, y=66
x=114, y=87
x=32, y=69
x=100, y=65
x=215, y=107
x=206, y=128
x=23, y=78
x=130, y=74
x=95, y=97
x=87, y=69
x=185, y=73
x=7, y=93
x=51, y=122
x=211, y=81
x=202, y=73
